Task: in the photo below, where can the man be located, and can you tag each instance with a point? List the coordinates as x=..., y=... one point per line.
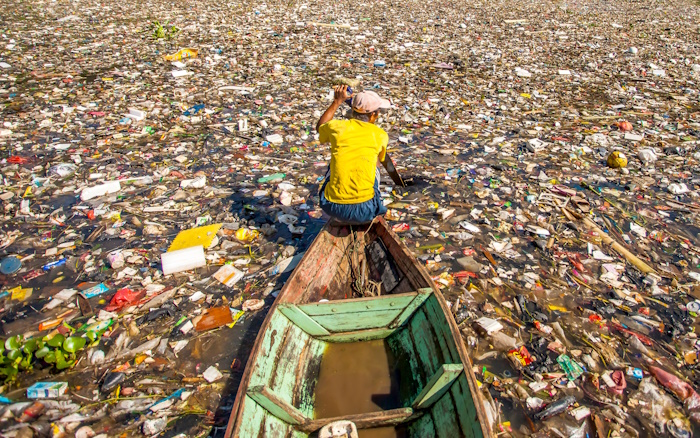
x=350, y=193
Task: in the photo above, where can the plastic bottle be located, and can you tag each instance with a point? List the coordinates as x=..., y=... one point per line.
x=555, y=408
x=33, y=412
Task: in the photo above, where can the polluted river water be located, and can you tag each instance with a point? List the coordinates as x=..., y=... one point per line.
x=554, y=148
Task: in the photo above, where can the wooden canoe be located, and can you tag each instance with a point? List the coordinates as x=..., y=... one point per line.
x=436, y=394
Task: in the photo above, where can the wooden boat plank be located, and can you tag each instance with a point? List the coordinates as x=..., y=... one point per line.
x=357, y=321
x=418, y=300
x=275, y=405
x=359, y=305
x=274, y=427
x=438, y=385
x=253, y=417
x=475, y=411
x=365, y=421
x=440, y=330
x=413, y=379
x=443, y=412
x=424, y=427
x=302, y=320
x=307, y=377
x=466, y=416
x=284, y=377
x=359, y=335
x=424, y=343
x=404, y=286
x=464, y=403
x=273, y=339
x=317, y=269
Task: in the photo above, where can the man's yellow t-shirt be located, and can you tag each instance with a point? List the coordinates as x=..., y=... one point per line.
x=355, y=147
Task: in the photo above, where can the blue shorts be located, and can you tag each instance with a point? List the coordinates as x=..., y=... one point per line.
x=353, y=214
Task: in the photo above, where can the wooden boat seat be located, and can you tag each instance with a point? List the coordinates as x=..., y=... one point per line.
x=357, y=319
x=286, y=412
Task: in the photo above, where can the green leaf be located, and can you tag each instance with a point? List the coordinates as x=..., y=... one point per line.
x=12, y=343
x=9, y=372
x=63, y=365
x=61, y=362
x=56, y=340
x=26, y=362
x=14, y=354
x=74, y=343
x=50, y=357
x=2, y=346
x=31, y=346
x=42, y=352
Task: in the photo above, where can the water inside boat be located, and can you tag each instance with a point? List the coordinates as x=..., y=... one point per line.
x=355, y=378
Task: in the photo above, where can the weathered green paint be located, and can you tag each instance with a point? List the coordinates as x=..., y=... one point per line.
x=357, y=321
x=302, y=320
x=412, y=375
x=461, y=394
x=437, y=385
x=424, y=343
x=283, y=378
x=273, y=338
x=466, y=410
x=359, y=305
x=252, y=419
x=305, y=390
x=441, y=332
x=445, y=419
x=359, y=335
x=273, y=404
x=408, y=311
x=421, y=335
x=423, y=427
x=274, y=427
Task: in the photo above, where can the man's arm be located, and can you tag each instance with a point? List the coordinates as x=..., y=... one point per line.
x=340, y=96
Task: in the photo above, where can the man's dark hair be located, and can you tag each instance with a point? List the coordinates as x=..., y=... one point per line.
x=363, y=117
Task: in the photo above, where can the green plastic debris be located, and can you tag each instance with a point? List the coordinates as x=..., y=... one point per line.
x=273, y=177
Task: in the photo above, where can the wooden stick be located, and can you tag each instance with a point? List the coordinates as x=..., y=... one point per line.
x=364, y=421
x=636, y=261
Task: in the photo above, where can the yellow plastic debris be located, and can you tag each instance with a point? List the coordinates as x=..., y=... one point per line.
x=246, y=235
x=194, y=237
x=181, y=54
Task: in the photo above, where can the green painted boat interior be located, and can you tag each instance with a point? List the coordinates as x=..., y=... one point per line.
x=312, y=352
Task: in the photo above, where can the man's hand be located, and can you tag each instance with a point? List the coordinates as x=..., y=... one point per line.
x=340, y=93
